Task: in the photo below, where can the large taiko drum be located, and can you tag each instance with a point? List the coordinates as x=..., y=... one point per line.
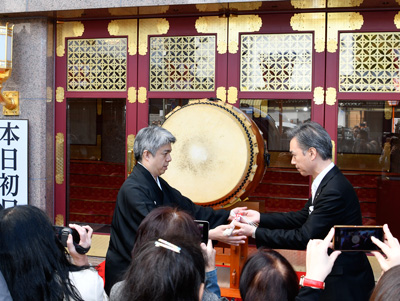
x=218, y=157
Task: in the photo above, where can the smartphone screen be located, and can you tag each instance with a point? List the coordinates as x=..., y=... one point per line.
x=357, y=238
x=203, y=227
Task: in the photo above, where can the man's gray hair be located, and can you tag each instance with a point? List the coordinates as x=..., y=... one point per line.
x=312, y=134
x=151, y=138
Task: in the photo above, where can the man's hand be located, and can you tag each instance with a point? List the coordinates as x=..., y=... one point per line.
x=244, y=229
x=209, y=252
x=318, y=263
x=85, y=234
x=251, y=215
x=218, y=234
x=235, y=211
x=390, y=247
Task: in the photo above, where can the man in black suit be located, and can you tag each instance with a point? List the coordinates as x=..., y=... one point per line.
x=333, y=202
x=145, y=190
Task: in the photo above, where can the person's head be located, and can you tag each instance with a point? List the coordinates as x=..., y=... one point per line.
x=388, y=286
x=152, y=148
x=161, y=274
x=42, y=269
x=267, y=275
x=166, y=222
x=309, y=141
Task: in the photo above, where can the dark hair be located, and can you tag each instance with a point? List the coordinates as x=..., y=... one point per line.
x=166, y=222
x=157, y=273
x=312, y=134
x=33, y=261
x=388, y=286
x=151, y=138
x=267, y=275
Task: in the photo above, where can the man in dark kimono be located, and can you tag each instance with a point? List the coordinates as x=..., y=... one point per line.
x=333, y=202
x=143, y=191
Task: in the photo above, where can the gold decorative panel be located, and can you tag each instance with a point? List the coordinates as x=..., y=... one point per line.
x=148, y=27
x=184, y=63
x=67, y=30
x=60, y=94
x=60, y=158
x=341, y=21
x=221, y=93
x=212, y=7
x=125, y=28
x=314, y=22
x=142, y=95
x=215, y=24
x=344, y=3
x=132, y=94
x=245, y=5
x=241, y=23
x=369, y=62
x=302, y=4
x=276, y=62
x=319, y=95
x=331, y=96
x=97, y=64
x=232, y=95
x=397, y=19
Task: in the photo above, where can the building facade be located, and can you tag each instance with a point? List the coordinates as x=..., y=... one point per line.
x=90, y=75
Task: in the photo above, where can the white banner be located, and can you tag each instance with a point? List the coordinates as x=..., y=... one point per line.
x=13, y=162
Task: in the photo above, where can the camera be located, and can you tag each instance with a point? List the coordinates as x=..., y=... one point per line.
x=356, y=238
x=62, y=235
x=203, y=227
x=63, y=232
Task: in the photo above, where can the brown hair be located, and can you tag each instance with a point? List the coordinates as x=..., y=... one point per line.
x=166, y=222
x=388, y=286
x=267, y=275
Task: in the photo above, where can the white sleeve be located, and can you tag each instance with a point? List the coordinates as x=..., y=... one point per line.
x=89, y=284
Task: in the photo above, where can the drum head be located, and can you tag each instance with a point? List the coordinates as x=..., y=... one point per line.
x=215, y=152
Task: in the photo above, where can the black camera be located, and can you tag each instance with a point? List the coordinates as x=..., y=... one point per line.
x=62, y=235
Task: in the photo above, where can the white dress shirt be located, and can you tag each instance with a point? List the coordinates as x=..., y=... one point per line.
x=317, y=181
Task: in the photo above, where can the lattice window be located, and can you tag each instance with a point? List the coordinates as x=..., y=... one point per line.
x=97, y=64
x=276, y=62
x=184, y=63
x=369, y=62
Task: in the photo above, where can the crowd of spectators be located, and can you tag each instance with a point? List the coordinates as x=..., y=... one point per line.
x=169, y=262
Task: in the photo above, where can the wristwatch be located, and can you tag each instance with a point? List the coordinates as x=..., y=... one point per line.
x=311, y=283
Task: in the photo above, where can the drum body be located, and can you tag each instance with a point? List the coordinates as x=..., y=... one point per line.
x=218, y=157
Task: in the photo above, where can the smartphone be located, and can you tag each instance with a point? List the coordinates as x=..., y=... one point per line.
x=356, y=238
x=204, y=227
x=62, y=234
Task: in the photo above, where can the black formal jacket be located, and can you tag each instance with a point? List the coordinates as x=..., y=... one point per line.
x=336, y=203
x=136, y=198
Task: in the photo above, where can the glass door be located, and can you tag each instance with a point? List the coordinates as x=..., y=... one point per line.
x=95, y=159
